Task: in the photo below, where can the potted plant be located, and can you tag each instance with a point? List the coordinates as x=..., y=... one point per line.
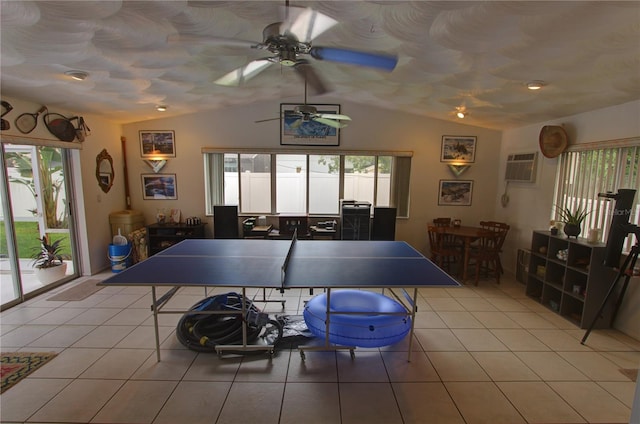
x=572, y=220
x=48, y=261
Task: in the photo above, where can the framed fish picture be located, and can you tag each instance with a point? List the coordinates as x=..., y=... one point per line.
x=458, y=149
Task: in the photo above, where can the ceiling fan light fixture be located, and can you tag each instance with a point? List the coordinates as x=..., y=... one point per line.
x=77, y=75
x=162, y=108
x=460, y=114
x=288, y=58
x=535, y=85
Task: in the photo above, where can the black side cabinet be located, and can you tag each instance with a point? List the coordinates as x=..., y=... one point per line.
x=161, y=236
x=568, y=276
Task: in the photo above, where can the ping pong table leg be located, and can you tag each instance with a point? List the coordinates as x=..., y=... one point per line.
x=265, y=300
x=155, y=320
x=244, y=314
x=414, y=306
x=245, y=346
x=327, y=345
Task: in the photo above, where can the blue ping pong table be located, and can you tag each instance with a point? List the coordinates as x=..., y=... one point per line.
x=282, y=265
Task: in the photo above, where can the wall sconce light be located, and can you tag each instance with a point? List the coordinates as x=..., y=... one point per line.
x=156, y=165
x=458, y=170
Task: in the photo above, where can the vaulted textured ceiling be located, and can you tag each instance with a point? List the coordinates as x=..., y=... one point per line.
x=472, y=55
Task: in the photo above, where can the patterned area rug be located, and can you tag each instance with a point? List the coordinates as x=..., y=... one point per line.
x=14, y=366
x=78, y=292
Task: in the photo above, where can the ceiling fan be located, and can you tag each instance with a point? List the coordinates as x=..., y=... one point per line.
x=289, y=42
x=308, y=113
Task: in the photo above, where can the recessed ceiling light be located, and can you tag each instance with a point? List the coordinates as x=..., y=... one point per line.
x=77, y=75
x=161, y=108
x=535, y=85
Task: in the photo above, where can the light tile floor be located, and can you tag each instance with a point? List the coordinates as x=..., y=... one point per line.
x=484, y=354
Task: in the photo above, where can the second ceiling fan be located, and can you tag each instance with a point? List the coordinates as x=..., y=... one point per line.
x=308, y=113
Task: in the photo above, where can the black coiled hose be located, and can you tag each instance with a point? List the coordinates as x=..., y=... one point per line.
x=203, y=332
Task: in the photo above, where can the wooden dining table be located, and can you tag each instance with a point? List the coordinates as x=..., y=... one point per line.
x=468, y=235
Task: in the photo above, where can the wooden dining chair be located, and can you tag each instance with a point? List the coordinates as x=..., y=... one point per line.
x=443, y=253
x=484, y=256
x=495, y=226
x=442, y=222
x=501, y=229
x=449, y=240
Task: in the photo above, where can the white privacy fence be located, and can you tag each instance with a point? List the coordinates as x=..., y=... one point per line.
x=292, y=191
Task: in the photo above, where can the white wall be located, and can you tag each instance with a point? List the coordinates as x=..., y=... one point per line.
x=97, y=204
x=371, y=129
x=531, y=204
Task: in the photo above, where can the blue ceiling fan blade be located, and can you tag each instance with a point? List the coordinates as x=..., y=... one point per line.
x=373, y=60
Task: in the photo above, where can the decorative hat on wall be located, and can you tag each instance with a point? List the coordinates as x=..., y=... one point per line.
x=553, y=140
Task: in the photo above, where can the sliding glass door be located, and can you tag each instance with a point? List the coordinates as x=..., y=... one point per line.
x=36, y=206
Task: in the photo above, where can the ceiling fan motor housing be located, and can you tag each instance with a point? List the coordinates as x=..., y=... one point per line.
x=271, y=33
x=286, y=45
x=305, y=109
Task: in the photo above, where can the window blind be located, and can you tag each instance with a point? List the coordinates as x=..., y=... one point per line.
x=586, y=170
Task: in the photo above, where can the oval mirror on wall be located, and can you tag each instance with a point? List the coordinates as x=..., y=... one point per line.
x=104, y=170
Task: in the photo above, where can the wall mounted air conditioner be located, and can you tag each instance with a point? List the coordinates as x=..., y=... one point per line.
x=521, y=167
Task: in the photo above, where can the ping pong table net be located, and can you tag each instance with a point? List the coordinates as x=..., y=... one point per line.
x=285, y=265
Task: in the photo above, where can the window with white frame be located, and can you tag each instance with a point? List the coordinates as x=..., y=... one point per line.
x=291, y=184
x=324, y=184
x=255, y=182
x=309, y=183
x=589, y=169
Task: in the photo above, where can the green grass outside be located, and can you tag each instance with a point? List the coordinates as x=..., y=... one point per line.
x=27, y=236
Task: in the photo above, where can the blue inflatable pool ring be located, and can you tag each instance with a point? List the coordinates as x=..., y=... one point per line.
x=362, y=330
